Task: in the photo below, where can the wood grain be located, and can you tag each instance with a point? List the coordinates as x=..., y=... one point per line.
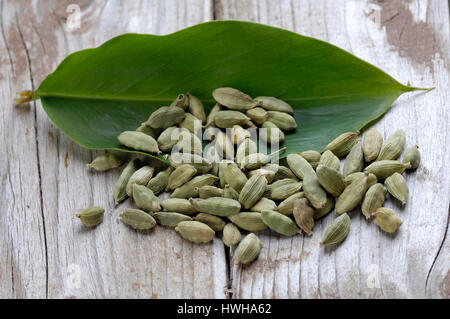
x=46, y=253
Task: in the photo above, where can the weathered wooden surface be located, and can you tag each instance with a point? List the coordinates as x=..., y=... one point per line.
x=44, y=178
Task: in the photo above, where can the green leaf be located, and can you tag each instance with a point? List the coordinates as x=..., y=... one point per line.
x=95, y=94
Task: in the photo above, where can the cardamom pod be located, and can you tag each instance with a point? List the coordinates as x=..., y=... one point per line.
x=264, y=204
x=313, y=157
x=393, y=147
x=286, y=207
x=196, y=108
x=208, y=191
x=224, y=119
x=337, y=231
x=385, y=168
x=321, y=212
x=267, y=173
x=412, y=156
x=252, y=191
x=281, y=172
x=373, y=199
x=189, y=143
x=280, y=223
x=233, y=99
x=248, y=249
x=179, y=205
x=330, y=160
x=212, y=113
x=120, y=192
x=352, y=195
x=181, y=175
x=282, y=120
x=191, y=123
x=304, y=215
x=313, y=191
x=216, y=223
x=387, y=220
x=247, y=147
x=284, y=188
x=397, y=187
x=222, y=171
x=139, y=141
x=231, y=235
x=342, y=144
x=145, y=199
x=158, y=183
x=371, y=179
x=354, y=162
x=165, y=117
x=256, y=160
x=105, y=162
x=249, y=221
x=331, y=180
x=170, y=219
x=230, y=192
x=91, y=216
x=239, y=134
x=271, y=134
x=199, y=163
x=299, y=166
x=195, y=231
x=223, y=145
x=137, y=219
x=153, y=132
x=142, y=176
x=168, y=138
x=273, y=104
x=257, y=114
x=373, y=141
x=190, y=189
x=235, y=177
x=181, y=101
x=218, y=206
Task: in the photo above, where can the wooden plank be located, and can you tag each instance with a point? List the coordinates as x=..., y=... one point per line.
x=40, y=235
x=410, y=41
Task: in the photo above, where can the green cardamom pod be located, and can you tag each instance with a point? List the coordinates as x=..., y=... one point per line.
x=393, y=147
x=373, y=141
x=371, y=179
x=142, y=176
x=195, y=231
x=230, y=192
x=208, y=191
x=196, y=108
x=191, y=123
x=258, y=115
x=231, y=235
x=286, y=207
x=199, y=163
x=252, y=191
x=212, y=113
x=216, y=223
x=179, y=205
x=165, y=117
x=282, y=120
x=248, y=249
x=387, y=220
x=168, y=138
x=331, y=180
x=280, y=223
x=189, y=143
x=105, y=162
x=337, y=231
x=224, y=119
x=190, y=189
x=137, y=219
x=284, y=188
x=120, y=192
x=91, y=216
x=153, y=132
x=281, y=172
x=223, y=145
x=181, y=101
x=299, y=166
x=330, y=160
x=397, y=187
x=170, y=219
x=412, y=156
x=271, y=134
x=385, y=168
x=267, y=173
x=250, y=221
x=233, y=99
x=313, y=157
x=352, y=195
x=313, y=191
x=139, y=141
x=342, y=144
x=264, y=204
x=373, y=199
x=235, y=177
x=218, y=206
x=222, y=172
x=158, y=183
x=273, y=104
x=304, y=215
x=354, y=162
x=256, y=160
x=145, y=199
x=247, y=147
x=239, y=134
x=181, y=175
x=321, y=212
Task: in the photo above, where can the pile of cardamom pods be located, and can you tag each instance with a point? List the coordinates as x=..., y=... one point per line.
x=229, y=187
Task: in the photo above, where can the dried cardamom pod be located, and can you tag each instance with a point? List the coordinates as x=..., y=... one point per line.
x=313, y=157
x=139, y=141
x=120, y=192
x=218, y=206
x=281, y=172
x=321, y=212
x=342, y=144
x=273, y=104
x=170, y=219
x=168, y=138
x=331, y=180
x=216, y=223
x=354, y=162
x=271, y=134
x=373, y=141
x=233, y=99
x=235, y=177
x=137, y=219
x=412, y=156
x=191, y=123
x=267, y=173
x=304, y=215
x=181, y=175
x=230, y=192
x=145, y=199
x=286, y=207
x=224, y=119
x=91, y=216
x=208, y=191
x=165, y=117
x=397, y=187
x=105, y=162
x=239, y=134
x=199, y=163
x=231, y=235
x=393, y=147
x=257, y=114
x=222, y=170
x=248, y=249
x=299, y=166
x=252, y=191
x=212, y=113
x=196, y=108
x=387, y=220
x=179, y=205
x=158, y=183
x=385, y=168
x=256, y=160
x=282, y=120
x=181, y=101
x=250, y=221
x=195, y=231
x=280, y=223
x=190, y=189
x=284, y=188
x=337, y=231
x=352, y=195
x=189, y=143
x=264, y=204
x=153, y=132
x=244, y=149
x=371, y=179
x=313, y=191
x=373, y=199
x=330, y=160
x=142, y=176
x=223, y=145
